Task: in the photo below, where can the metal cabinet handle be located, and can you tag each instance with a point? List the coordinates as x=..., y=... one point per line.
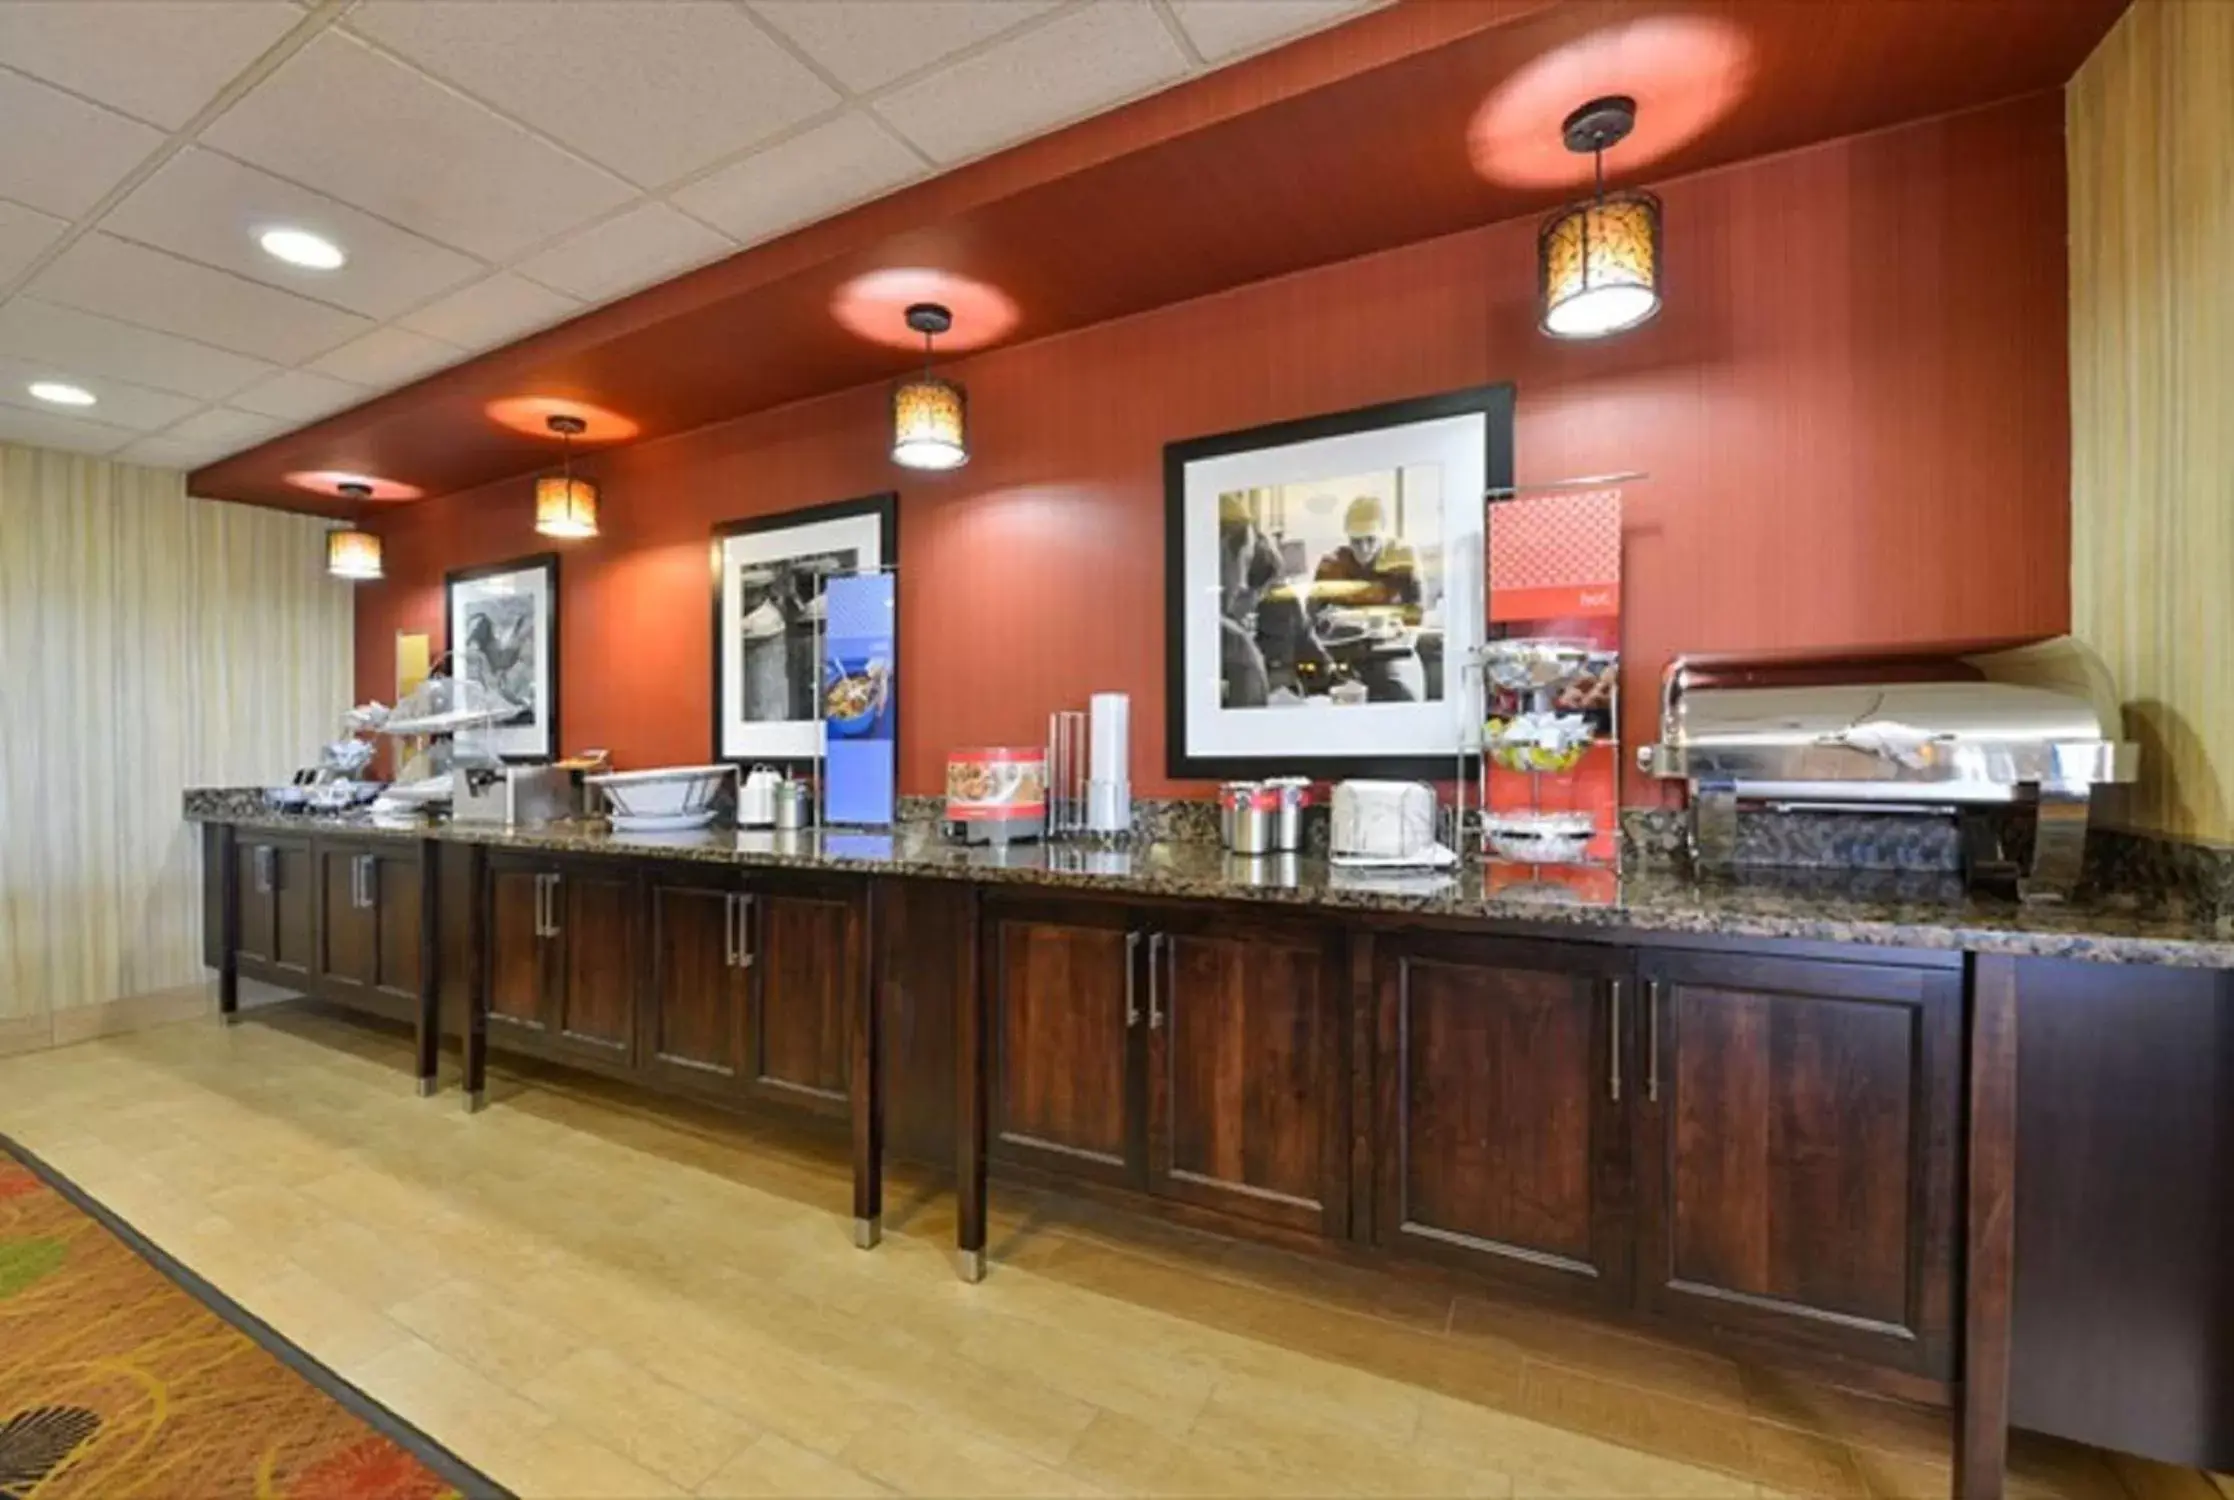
x=1156, y=941
x=542, y=906
x=553, y=904
x=1652, y=1040
x=1613, y=1041
x=729, y=931
x=745, y=954
x=1132, y=1002
x=368, y=877
x=260, y=864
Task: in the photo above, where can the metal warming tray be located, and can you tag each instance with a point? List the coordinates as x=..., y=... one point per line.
x=2036, y=725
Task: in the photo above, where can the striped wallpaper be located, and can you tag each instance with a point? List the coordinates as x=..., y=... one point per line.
x=2151, y=151
x=148, y=642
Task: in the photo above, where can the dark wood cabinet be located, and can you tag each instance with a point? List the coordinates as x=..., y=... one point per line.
x=515, y=923
x=801, y=947
x=698, y=985
x=562, y=954
x=275, y=883
x=1063, y=1013
x=368, y=937
x=1248, y=1078
x=591, y=952
x=1795, y=1144
x=1502, y=1071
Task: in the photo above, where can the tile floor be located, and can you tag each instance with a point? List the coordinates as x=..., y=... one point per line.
x=586, y=1292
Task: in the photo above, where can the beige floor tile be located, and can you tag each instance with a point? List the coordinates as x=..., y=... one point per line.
x=923, y=1455
x=770, y=1465
x=477, y=1327
x=648, y=1421
x=458, y=1407
x=559, y=1463
x=337, y=1329
x=1577, y=1343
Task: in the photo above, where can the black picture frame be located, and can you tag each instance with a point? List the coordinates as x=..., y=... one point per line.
x=883, y=507
x=1494, y=403
x=548, y=564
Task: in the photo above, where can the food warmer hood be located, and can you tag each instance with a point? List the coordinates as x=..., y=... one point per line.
x=2036, y=725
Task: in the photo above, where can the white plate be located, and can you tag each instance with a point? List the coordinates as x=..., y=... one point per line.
x=662, y=822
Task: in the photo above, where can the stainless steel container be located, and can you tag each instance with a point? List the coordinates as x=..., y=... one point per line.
x=1932, y=735
x=1248, y=816
x=1290, y=794
x=794, y=806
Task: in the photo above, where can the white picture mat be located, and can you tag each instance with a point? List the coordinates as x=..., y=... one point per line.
x=1459, y=445
x=763, y=739
x=533, y=738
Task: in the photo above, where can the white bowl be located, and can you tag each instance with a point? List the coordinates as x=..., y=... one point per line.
x=661, y=793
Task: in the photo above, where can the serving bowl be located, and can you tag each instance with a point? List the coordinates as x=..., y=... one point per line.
x=663, y=792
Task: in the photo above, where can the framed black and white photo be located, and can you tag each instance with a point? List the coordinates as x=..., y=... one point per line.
x=1323, y=585
x=769, y=611
x=502, y=623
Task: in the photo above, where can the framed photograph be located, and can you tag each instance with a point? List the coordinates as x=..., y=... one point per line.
x=771, y=574
x=502, y=624
x=1318, y=576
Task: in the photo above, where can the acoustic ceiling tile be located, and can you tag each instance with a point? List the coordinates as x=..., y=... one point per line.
x=1073, y=66
x=381, y=135
x=213, y=209
x=651, y=91
x=88, y=344
x=649, y=243
x=811, y=176
x=161, y=62
x=118, y=279
x=61, y=154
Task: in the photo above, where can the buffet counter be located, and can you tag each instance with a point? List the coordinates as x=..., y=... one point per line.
x=1924, y=910
x=1782, y=1117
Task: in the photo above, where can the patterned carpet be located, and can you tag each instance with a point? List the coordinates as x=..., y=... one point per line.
x=121, y=1375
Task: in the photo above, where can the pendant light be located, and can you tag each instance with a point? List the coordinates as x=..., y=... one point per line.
x=350, y=553
x=930, y=416
x=566, y=507
x=1598, y=263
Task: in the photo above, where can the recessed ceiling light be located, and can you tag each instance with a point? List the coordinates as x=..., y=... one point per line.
x=61, y=393
x=299, y=247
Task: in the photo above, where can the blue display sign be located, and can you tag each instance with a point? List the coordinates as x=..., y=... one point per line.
x=860, y=704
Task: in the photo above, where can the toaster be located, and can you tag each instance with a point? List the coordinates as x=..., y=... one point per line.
x=1383, y=820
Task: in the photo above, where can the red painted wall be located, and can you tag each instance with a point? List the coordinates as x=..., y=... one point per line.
x=1853, y=409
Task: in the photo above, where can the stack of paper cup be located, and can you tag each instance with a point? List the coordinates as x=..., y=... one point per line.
x=1109, y=793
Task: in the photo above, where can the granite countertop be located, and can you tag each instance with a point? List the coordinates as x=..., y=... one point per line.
x=1887, y=909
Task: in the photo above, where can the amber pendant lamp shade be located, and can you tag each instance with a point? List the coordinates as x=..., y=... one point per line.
x=930, y=416
x=1598, y=262
x=350, y=553
x=566, y=507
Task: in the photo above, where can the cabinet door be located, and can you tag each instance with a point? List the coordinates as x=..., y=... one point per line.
x=1501, y=1072
x=253, y=870
x=1796, y=1146
x=696, y=993
x=294, y=907
x=1063, y=1014
x=392, y=887
x=1248, y=1088
x=803, y=964
x=348, y=929
x=593, y=953
x=518, y=994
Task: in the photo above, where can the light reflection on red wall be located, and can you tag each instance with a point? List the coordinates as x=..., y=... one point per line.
x=874, y=307
x=1685, y=72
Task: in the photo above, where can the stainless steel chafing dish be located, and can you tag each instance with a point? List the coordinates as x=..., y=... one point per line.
x=2035, y=725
